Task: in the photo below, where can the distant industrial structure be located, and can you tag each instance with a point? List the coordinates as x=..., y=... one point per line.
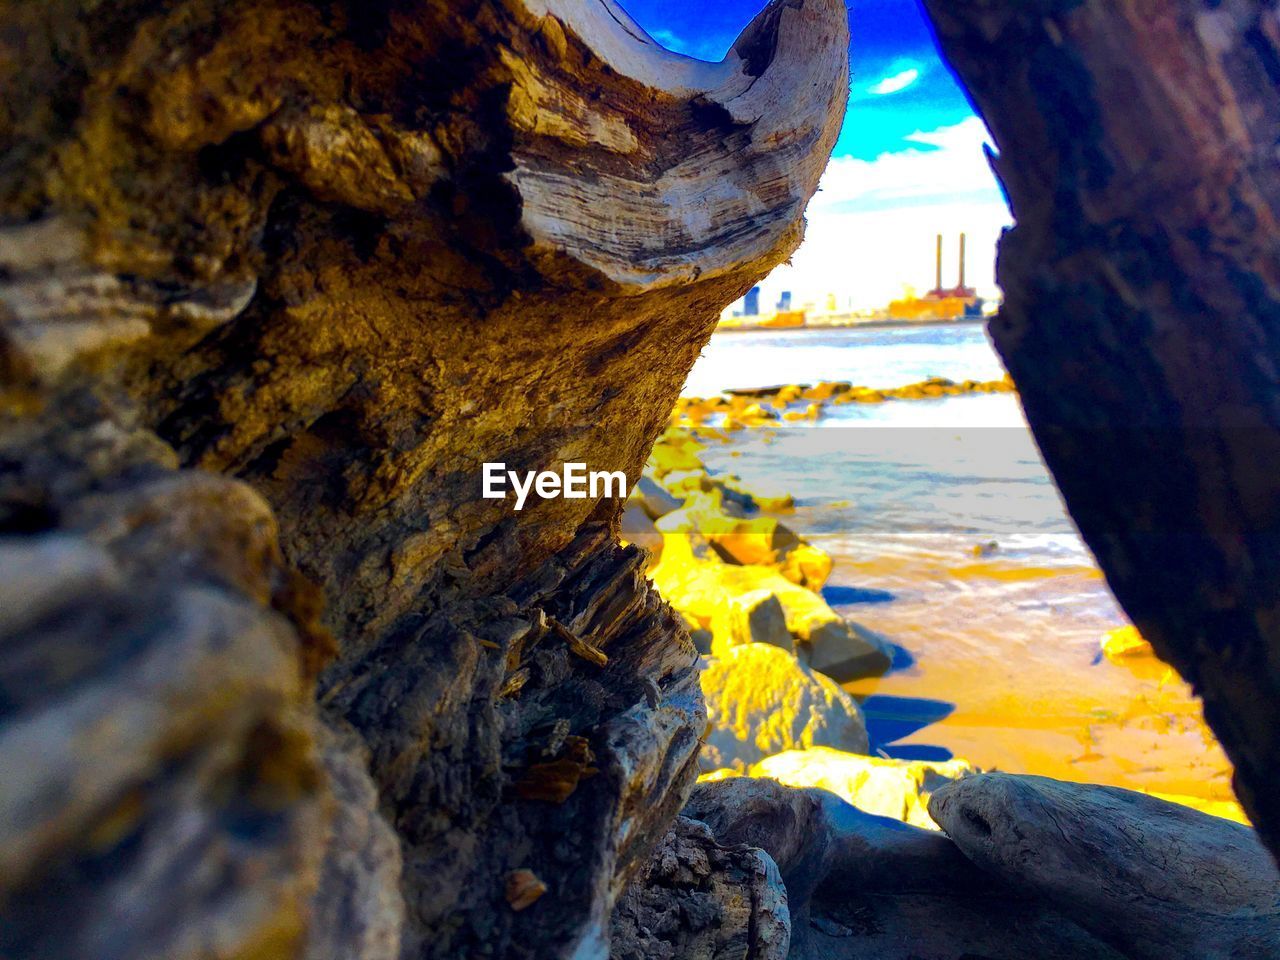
x=939, y=304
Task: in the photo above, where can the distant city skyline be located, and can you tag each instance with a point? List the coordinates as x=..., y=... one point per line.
x=909, y=164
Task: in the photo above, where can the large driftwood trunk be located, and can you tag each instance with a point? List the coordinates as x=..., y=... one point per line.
x=1137, y=143
x=276, y=278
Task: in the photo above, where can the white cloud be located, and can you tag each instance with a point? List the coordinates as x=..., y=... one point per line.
x=706, y=48
x=872, y=226
x=896, y=83
x=672, y=41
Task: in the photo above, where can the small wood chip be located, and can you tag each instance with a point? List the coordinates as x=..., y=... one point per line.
x=577, y=645
x=521, y=647
x=524, y=889
x=556, y=780
x=514, y=683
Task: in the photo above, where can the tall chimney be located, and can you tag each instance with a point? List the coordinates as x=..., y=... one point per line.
x=938, y=285
x=962, y=242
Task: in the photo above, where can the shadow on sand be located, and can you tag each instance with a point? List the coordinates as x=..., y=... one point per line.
x=849, y=596
x=891, y=719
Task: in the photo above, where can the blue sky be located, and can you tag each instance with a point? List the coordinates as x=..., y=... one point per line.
x=909, y=164
x=899, y=83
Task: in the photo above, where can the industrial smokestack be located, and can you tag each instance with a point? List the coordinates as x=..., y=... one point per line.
x=962, y=243
x=938, y=285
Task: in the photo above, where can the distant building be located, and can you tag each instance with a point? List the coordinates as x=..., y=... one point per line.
x=784, y=302
x=752, y=305
x=941, y=304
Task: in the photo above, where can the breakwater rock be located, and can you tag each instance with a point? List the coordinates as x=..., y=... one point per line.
x=721, y=557
x=762, y=701
x=776, y=406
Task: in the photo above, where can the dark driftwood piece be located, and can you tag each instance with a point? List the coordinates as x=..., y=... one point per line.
x=276, y=278
x=1137, y=144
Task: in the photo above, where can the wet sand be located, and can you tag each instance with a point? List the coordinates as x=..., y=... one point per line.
x=1006, y=681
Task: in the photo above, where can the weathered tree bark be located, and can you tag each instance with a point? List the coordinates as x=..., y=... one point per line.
x=1142, y=316
x=343, y=254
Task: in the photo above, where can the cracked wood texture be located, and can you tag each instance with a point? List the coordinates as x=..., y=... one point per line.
x=1137, y=144
x=276, y=278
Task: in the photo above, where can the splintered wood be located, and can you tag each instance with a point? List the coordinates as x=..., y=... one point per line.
x=577, y=645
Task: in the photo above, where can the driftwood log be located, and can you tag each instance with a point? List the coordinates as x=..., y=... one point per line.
x=862, y=887
x=1137, y=144
x=1027, y=867
x=276, y=278
x=1155, y=880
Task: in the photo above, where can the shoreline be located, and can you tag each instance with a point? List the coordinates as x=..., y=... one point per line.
x=868, y=325
x=1020, y=723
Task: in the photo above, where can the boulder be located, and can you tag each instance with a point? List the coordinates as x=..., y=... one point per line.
x=806, y=565
x=861, y=395
x=756, y=412
x=765, y=499
x=899, y=789
x=683, y=484
x=675, y=450
x=789, y=394
x=703, y=511
x=1126, y=643
x=755, y=617
x=746, y=540
x=1156, y=880
x=758, y=540
x=693, y=584
x=843, y=650
x=762, y=701
x=811, y=412
x=827, y=389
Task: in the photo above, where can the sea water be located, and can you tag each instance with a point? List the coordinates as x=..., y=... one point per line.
x=951, y=541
